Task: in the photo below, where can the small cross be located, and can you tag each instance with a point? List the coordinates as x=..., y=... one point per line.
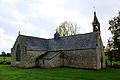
x=94, y=8
x=19, y=33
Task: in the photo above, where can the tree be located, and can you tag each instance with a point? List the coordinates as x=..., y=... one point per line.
x=8, y=54
x=115, y=31
x=109, y=51
x=66, y=29
x=3, y=53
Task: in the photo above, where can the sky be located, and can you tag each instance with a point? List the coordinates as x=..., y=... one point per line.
x=40, y=18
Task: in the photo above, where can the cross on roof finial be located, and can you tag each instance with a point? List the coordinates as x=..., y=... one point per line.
x=94, y=11
x=94, y=8
x=19, y=33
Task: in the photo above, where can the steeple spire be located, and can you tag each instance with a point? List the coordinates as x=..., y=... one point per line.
x=95, y=23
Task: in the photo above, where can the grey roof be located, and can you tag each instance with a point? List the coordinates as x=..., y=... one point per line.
x=35, y=43
x=50, y=55
x=80, y=41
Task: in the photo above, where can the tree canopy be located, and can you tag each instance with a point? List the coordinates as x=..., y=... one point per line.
x=66, y=29
x=115, y=30
x=114, y=43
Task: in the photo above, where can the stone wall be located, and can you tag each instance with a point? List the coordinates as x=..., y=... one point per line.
x=80, y=58
x=54, y=62
x=27, y=59
x=100, y=54
x=75, y=58
x=30, y=58
x=19, y=42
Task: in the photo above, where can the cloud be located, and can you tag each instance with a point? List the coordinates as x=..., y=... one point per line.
x=5, y=41
x=41, y=17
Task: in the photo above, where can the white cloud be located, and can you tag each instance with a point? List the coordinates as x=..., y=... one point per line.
x=6, y=41
x=10, y=2
x=16, y=14
x=46, y=15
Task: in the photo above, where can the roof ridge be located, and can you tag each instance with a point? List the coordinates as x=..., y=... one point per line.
x=33, y=37
x=60, y=37
x=77, y=35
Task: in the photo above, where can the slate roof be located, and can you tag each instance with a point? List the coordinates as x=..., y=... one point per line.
x=80, y=41
x=50, y=55
x=35, y=43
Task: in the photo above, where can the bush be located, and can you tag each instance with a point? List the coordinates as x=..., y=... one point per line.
x=4, y=62
x=116, y=66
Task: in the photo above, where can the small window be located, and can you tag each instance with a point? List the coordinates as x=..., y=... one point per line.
x=96, y=44
x=43, y=62
x=18, y=53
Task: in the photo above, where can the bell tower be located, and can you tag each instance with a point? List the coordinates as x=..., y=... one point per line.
x=95, y=23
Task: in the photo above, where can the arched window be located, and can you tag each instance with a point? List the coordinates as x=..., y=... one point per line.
x=18, y=53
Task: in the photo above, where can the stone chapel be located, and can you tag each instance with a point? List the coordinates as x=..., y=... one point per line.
x=78, y=51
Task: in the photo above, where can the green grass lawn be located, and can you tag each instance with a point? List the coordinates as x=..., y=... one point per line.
x=8, y=59
x=12, y=73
